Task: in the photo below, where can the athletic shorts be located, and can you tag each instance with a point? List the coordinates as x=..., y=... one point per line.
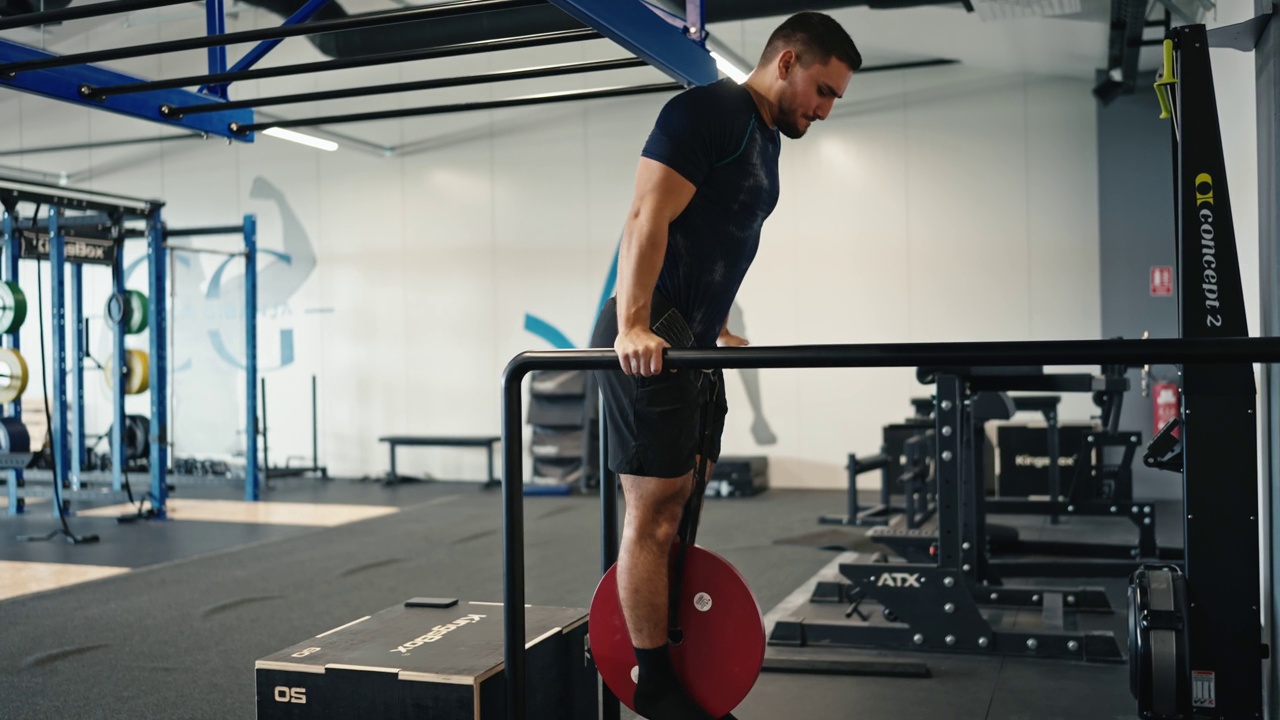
x=653, y=423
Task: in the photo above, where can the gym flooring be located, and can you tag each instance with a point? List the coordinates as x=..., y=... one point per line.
x=166, y=619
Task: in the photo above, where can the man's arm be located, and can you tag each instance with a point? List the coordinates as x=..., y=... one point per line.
x=661, y=195
x=728, y=339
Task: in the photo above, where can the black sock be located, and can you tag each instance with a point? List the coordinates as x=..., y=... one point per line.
x=659, y=695
x=655, y=666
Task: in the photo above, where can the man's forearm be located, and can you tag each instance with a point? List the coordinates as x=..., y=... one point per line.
x=644, y=246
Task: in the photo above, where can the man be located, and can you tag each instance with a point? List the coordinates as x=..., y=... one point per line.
x=708, y=178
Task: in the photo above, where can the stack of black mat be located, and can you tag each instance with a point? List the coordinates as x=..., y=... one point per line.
x=556, y=413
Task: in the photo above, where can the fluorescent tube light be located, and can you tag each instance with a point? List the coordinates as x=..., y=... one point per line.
x=729, y=68
x=302, y=139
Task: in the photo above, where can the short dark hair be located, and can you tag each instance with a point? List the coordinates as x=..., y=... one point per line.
x=815, y=37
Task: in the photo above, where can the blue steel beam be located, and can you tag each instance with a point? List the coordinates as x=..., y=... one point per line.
x=65, y=83
x=119, y=289
x=252, y=483
x=633, y=25
x=58, y=331
x=695, y=21
x=216, y=20
x=13, y=409
x=157, y=292
x=251, y=58
x=78, y=454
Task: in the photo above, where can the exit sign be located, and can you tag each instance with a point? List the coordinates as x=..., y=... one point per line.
x=1161, y=281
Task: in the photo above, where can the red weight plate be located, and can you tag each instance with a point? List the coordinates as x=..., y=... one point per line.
x=722, y=652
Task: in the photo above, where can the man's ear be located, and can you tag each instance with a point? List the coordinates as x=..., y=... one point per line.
x=787, y=63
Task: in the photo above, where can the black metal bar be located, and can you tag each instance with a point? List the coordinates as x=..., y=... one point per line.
x=1055, y=462
x=217, y=230
x=906, y=65
x=468, y=48
x=80, y=12
x=266, y=459
x=1135, y=353
x=543, y=99
x=513, y=539
x=1063, y=569
x=315, y=431
x=851, y=499
x=177, y=112
x=1060, y=352
x=608, y=505
x=610, y=708
x=874, y=462
x=367, y=20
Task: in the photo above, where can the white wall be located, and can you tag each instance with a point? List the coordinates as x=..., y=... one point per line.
x=935, y=205
x=1235, y=83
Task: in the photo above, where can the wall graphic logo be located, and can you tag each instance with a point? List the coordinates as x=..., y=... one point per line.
x=207, y=325
x=760, y=429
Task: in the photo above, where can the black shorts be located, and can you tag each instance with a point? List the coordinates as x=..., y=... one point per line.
x=653, y=423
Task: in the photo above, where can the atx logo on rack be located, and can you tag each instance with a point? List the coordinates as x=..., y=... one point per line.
x=899, y=579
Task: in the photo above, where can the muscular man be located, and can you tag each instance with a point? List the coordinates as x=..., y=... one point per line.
x=708, y=178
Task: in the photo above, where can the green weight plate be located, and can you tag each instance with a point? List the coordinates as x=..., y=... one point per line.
x=136, y=313
x=13, y=307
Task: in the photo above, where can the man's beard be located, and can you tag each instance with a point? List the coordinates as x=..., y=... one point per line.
x=789, y=122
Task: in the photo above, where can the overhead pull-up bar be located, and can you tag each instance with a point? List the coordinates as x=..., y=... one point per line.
x=479, y=46
x=432, y=84
x=80, y=12
x=368, y=20
x=207, y=251
x=193, y=232
x=462, y=107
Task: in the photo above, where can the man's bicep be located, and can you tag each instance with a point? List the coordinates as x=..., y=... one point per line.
x=661, y=192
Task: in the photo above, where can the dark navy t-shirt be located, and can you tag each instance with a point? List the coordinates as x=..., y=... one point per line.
x=715, y=137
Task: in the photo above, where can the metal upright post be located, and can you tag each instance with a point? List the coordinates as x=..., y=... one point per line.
x=610, y=708
x=315, y=427
x=117, y=383
x=254, y=55
x=950, y=427
x=216, y=21
x=1055, y=462
x=77, y=375
x=694, y=20
x=251, y=480
x=58, y=331
x=159, y=366
x=266, y=453
x=13, y=409
x=608, y=503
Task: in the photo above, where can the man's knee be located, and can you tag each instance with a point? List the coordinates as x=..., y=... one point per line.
x=655, y=505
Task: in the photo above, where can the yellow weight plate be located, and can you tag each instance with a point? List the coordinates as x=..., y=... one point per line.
x=137, y=372
x=13, y=378
x=139, y=378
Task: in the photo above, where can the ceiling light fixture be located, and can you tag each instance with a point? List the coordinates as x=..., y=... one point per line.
x=728, y=68
x=301, y=139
